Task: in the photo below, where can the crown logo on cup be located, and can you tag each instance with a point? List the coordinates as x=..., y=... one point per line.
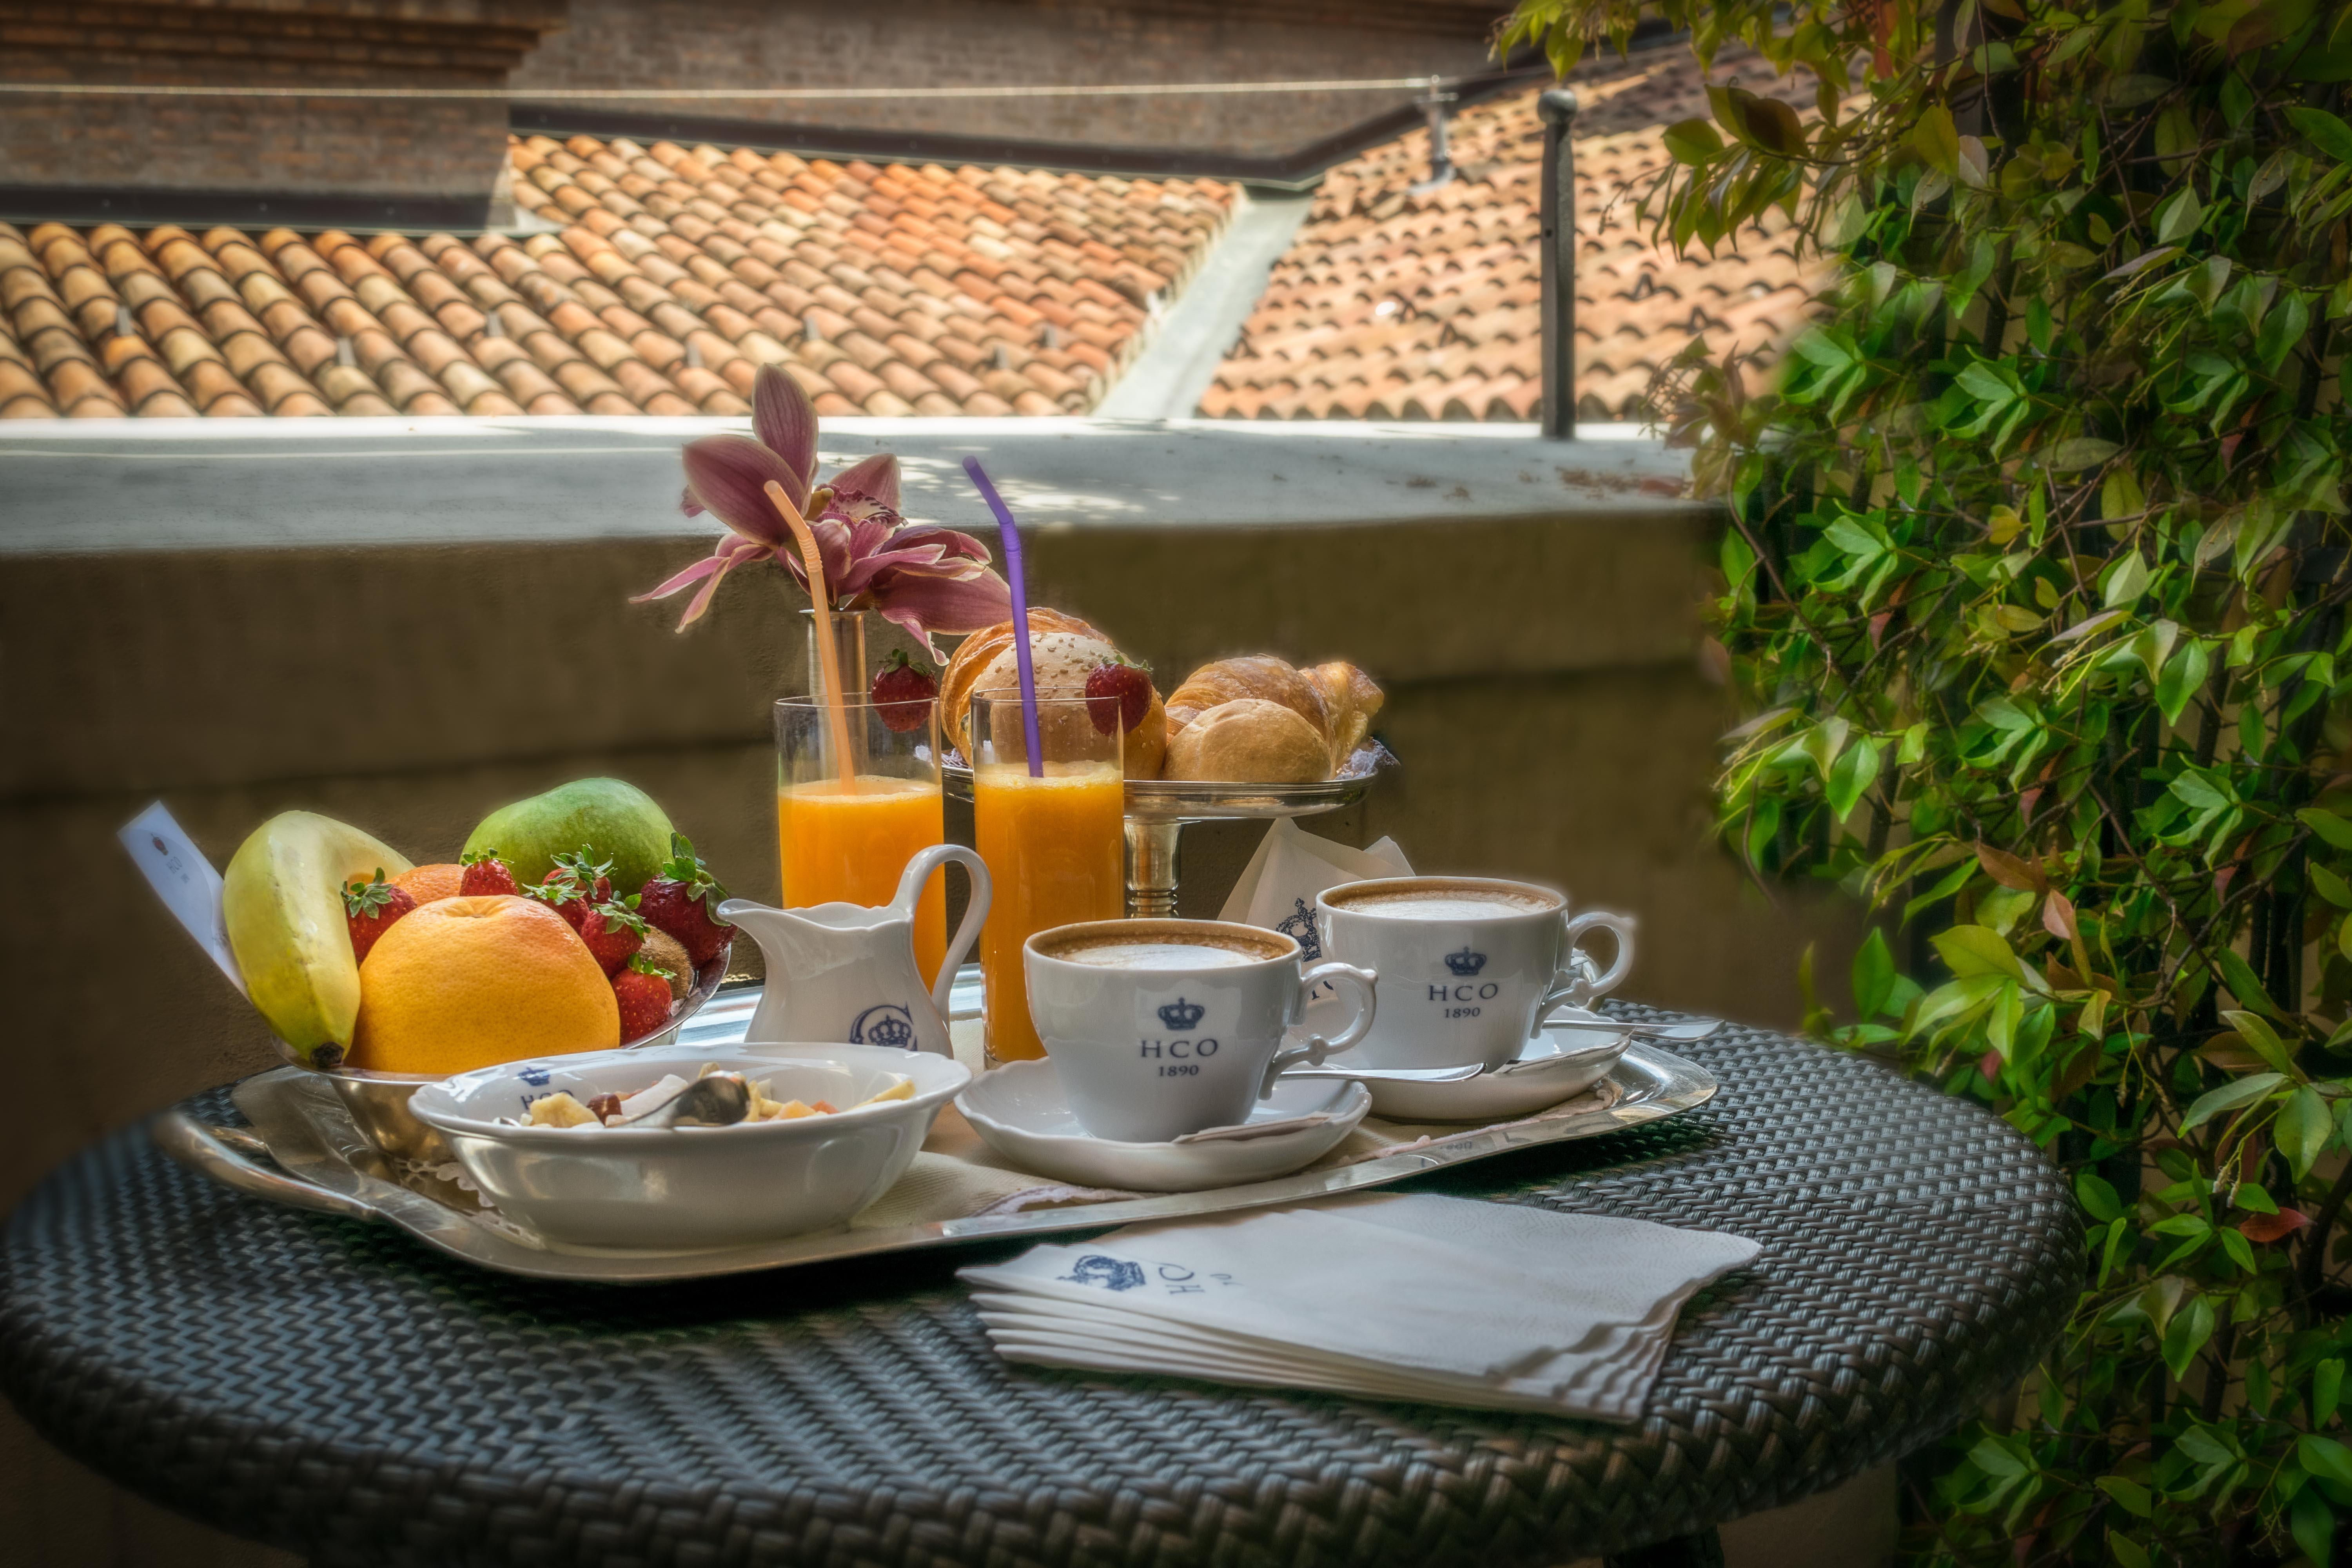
x=1181, y=1014
x=1465, y=962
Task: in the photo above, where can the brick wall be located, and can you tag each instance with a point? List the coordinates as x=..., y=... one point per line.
x=790, y=43
x=327, y=144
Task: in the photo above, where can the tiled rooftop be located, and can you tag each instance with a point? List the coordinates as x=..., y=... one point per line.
x=1395, y=306
x=674, y=274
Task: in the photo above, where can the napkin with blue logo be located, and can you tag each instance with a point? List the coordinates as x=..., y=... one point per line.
x=1395, y=1296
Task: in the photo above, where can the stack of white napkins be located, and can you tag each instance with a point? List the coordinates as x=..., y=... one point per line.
x=1395, y=1296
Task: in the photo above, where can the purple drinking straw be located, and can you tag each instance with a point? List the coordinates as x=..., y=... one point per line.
x=1011, y=536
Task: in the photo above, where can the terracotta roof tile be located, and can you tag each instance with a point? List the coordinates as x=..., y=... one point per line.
x=682, y=273
x=1365, y=315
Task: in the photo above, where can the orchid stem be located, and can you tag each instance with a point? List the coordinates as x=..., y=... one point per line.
x=821, y=600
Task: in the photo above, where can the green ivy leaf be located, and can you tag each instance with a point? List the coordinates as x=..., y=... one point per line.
x=2183, y=677
x=2178, y=215
x=1969, y=950
x=2264, y=1041
x=1695, y=141
x=2127, y=579
x=2081, y=452
x=2312, y=1524
x=2327, y=826
x=2131, y=1494
x=1937, y=140
x=2229, y=1097
x=2329, y=886
x=1853, y=771
x=2302, y=1128
x=2097, y=1197
x=2243, y=983
x=2325, y=1456
x=2186, y=1334
x=2126, y=1552
x=1874, y=975
x=2326, y=132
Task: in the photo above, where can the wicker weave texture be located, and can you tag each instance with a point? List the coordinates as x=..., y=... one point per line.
x=338, y=1389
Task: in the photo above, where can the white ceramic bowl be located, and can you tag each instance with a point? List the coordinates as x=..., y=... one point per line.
x=686, y=1188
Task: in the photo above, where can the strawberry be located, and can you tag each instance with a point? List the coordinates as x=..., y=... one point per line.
x=370, y=908
x=684, y=901
x=573, y=885
x=900, y=691
x=613, y=934
x=644, y=996
x=484, y=874
x=1118, y=693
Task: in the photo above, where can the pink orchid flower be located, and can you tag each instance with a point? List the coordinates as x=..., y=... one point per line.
x=928, y=579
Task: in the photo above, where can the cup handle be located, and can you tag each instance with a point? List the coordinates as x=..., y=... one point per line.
x=1342, y=976
x=929, y=862
x=1574, y=983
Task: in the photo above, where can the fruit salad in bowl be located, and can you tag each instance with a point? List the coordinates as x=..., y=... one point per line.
x=601, y=1151
x=580, y=920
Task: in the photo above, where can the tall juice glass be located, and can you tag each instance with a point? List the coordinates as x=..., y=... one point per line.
x=849, y=845
x=1053, y=843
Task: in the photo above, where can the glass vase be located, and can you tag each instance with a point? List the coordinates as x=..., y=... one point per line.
x=849, y=651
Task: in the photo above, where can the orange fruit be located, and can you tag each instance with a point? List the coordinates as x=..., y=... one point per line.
x=474, y=982
x=426, y=883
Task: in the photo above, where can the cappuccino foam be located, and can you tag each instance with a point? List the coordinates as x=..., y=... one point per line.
x=1125, y=953
x=1445, y=903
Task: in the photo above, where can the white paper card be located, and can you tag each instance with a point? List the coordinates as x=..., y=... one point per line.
x=1278, y=887
x=185, y=880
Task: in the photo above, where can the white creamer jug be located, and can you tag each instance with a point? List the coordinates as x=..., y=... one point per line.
x=847, y=972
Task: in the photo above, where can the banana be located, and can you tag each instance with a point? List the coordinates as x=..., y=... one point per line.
x=282, y=902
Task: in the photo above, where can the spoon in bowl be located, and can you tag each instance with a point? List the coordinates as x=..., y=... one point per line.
x=714, y=1099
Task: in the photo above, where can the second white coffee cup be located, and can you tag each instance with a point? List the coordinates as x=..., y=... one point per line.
x=1469, y=965
x=1161, y=1028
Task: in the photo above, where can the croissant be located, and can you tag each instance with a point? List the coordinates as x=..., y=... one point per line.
x=1062, y=651
x=1259, y=676
x=1248, y=740
x=978, y=651
x=1352, y=701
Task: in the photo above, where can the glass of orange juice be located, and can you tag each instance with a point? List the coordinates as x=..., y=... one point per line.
x=1054, y=839
x=848, y=842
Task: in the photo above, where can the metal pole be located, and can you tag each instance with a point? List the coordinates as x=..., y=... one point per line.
x=1557, y=108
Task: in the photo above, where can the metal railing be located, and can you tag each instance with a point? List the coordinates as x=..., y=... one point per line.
x=1557, y=108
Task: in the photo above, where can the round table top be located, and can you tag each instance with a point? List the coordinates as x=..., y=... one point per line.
x=338, y=1389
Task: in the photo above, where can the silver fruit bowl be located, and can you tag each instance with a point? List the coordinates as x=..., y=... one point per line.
x=377, y=1102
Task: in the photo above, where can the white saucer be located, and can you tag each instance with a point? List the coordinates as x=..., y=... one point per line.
x=1574, y=1051
x=1019, y=1110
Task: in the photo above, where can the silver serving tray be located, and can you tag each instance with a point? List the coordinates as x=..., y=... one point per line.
x=303, y=1150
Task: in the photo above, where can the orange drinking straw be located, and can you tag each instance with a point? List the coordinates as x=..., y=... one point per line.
x=821, y=600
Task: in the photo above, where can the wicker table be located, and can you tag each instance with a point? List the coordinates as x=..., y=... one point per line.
x=339, y=1389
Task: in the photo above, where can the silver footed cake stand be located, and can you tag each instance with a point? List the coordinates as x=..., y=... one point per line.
x=1159, y=809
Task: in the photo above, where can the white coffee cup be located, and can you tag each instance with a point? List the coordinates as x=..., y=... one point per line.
x=1161, y=1028
x=1469, y=965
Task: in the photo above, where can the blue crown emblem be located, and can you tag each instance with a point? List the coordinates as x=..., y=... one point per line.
x=1465, y=962
x=885, y=1024
x=1181, y=1014
x=1300, y=928
x=1110, y=1273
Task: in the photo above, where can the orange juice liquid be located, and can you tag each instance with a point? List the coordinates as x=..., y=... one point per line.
x=851, y=847
x=1055, y=849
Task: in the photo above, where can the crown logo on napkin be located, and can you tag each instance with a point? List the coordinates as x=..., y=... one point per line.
x=1181, y=1014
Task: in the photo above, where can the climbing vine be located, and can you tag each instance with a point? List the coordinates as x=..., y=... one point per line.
x=2034, y=591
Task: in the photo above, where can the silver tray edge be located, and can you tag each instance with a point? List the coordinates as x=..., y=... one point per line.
x=1666, y=1085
